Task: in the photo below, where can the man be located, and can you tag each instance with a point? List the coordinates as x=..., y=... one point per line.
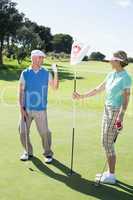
x=33, y=92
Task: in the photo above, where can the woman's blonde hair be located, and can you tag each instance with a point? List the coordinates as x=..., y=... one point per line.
x=122, y=55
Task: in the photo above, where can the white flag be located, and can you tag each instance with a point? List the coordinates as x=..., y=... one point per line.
x=78, y=52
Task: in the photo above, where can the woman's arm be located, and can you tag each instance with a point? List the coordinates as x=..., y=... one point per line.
x=126, y=97
x=90, y=93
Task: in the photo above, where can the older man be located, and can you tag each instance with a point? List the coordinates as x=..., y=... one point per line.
x=33, y=92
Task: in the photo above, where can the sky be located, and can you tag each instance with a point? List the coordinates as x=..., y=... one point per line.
x=107, y=25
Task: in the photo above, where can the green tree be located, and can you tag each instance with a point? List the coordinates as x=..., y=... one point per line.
x=130, y=60
x=10, y=21
x=45, y=36
x=62, y=43
x=21, y=55
x=97, y=56
x=28, y=39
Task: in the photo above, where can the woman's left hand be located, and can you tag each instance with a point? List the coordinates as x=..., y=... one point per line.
x=118, y=125
x=77, y=96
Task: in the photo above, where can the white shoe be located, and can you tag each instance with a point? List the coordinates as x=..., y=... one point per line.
x=25, y=156
x=100, y=175
x=48, y=159
x=108, y=178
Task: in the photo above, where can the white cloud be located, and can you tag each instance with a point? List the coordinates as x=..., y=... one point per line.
x=124, y=3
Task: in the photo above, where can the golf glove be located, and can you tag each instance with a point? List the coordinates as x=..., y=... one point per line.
x=118, y=125
x=54, y=68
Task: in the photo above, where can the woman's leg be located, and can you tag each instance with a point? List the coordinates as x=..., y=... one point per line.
x=111, y=163
x=109, y=135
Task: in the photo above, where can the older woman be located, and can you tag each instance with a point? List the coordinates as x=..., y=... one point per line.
x=117, y=86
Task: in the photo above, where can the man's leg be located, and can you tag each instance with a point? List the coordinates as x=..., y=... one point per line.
x=42, y=126
x=24, y=134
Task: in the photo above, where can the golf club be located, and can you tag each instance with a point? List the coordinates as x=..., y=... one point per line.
x=26, y=136
x=31, y=169
x=98, y=179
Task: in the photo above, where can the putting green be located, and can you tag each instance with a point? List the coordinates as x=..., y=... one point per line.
x=35, y=180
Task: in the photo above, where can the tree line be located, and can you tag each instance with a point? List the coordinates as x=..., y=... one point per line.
x=19, y=35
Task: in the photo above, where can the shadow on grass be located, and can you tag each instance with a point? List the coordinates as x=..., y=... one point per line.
x=12, y=73
x=84, y=186
x=9, y=75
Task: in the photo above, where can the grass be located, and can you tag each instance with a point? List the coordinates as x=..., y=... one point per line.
x=51, y=182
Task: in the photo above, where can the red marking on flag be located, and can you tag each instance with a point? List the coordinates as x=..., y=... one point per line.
x=76, y=49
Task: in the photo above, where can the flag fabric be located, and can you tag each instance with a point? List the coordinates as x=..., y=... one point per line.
x=79, y=50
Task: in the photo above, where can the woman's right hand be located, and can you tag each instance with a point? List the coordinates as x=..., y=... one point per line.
x=77, y=96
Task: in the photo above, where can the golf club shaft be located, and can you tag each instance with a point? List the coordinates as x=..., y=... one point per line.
x=114, y=140
x=105, y=165
x=26, y=134
x=26, y=137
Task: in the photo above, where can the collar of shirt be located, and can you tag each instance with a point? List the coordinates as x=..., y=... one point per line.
x=36, y=71
x=121, y=72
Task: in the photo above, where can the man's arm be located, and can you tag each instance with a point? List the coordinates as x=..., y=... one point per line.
x=54, y=81
x=21, y=98
x=21, y=95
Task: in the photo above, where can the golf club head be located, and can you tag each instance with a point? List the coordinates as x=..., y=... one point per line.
x=98, y=180
x=31, y=169
x=97, y=184
x=70, y=173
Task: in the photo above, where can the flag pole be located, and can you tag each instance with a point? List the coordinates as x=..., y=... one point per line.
x=74, y=121
x=78, y=52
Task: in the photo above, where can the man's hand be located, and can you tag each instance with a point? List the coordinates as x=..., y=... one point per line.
x=54, y=83
x=24, y=114
x=54, y=68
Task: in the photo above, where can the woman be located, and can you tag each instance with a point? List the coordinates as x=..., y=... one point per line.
x=117, y=86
